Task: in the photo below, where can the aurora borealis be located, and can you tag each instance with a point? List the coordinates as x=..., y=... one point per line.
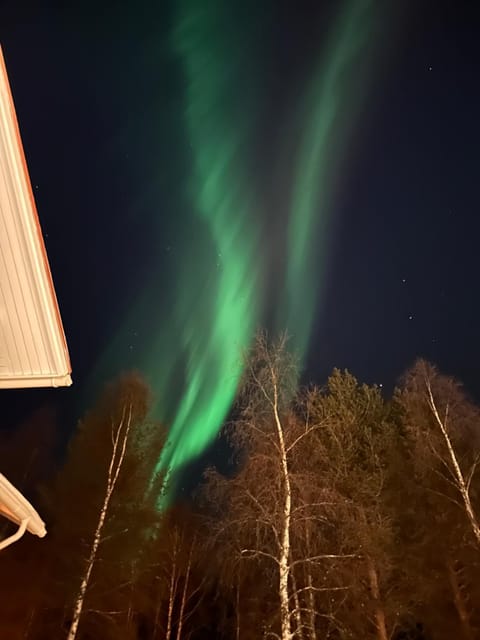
x=222, y=271
x=347, y=137
x=332, y=105
x=214, y=327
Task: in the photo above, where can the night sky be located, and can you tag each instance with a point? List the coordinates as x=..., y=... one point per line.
x=99, y=98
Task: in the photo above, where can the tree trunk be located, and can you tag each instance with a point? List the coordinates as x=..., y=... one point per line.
x=119, y=442
x=311, y=594
x=459, y=601
x=171, y=595
x=461, y=483
x=298, y=613
x=184, y=595
x=379, y=613
x=284, y=565
x=380, y=623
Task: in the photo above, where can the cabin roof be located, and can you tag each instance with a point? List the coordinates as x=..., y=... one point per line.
x=33, y=348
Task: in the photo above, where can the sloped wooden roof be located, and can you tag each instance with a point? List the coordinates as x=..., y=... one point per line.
x=33, y=349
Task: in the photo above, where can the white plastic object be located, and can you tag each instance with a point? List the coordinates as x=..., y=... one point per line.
x=16, y=508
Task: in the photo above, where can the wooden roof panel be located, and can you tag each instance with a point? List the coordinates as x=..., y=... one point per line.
x=33, y=349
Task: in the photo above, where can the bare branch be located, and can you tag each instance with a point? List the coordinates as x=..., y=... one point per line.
x=253, y=553
x=326, y=556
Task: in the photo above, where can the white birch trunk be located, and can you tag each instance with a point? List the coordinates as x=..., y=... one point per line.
x=184, y=595
x=119, y=446
x=461, y=482
x=311, y=607
x=311, y=594
x=284, y=565
x=173, y=589
x=298, y=613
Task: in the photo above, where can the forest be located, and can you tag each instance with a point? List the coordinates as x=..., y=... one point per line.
x=340, y=514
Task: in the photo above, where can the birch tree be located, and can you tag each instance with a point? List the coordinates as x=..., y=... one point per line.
x=120, y=432
x=103, y=525
x=445, y=425
x=178, y=577
x=443, y=434
x=272, y=497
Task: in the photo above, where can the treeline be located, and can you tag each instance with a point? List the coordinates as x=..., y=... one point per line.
x=344, y=515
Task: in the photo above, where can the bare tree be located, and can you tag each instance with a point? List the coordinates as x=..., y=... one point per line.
x=102, y=523
x=178, y=574
x=442, y=427
x=462, y=481
x=451, y=436
x=120, y=436
x=274, y=501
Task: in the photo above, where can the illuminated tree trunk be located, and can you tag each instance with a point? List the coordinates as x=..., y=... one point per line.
x=461, y=483
x=173, y=588
x=311, y=594
x=284, y=565
x=311, y=606
x=184, y=595
x=119, y=447
x=379, y=612
x=297, y=611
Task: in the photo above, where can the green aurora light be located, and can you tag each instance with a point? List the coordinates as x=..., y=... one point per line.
x=214, y=331
x=333, y=103
x=218, y=301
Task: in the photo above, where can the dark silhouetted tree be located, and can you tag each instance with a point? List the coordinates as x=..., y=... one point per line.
x=105, y=519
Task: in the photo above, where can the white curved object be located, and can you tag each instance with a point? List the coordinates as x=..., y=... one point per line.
x=15, y=507
x=16, y=536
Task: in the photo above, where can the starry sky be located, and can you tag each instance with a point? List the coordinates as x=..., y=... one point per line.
x=100, y=98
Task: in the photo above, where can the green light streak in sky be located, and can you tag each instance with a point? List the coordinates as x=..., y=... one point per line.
x=214, y=332
x=217, y=302
x=332, y=105
x=221, y=197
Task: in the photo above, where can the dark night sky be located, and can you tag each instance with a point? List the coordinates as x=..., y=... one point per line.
x=97, y=98
x=408, y=240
